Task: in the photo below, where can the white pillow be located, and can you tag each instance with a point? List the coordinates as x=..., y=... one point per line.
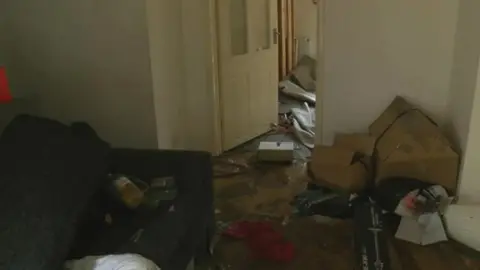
x=112, y=262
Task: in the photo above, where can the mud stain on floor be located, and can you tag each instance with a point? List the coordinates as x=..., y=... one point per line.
x=265, y=193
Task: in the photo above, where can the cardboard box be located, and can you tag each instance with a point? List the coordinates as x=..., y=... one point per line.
x=362, y=143
x=332, y=167
x=410, y=145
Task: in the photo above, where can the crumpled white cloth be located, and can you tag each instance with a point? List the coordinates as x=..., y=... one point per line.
x=112, y=262
x=303, y=120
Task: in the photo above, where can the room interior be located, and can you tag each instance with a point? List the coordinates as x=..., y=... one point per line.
x=153, y=97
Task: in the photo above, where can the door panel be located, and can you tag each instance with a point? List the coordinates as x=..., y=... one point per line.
x=238, y=27
x=248, y=68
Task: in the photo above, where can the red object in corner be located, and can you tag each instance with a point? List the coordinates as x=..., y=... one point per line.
x=5, y=94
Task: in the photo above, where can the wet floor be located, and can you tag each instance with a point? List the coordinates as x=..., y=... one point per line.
x=264, y=192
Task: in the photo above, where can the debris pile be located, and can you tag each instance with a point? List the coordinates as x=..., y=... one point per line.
x=297, y=100
x=403, y=168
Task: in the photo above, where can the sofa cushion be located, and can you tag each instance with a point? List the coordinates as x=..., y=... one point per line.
x=48, y=173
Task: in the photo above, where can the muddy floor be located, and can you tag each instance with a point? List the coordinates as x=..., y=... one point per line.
x=264, y=192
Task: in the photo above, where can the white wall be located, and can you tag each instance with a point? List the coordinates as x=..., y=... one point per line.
x=90, y=60
x=164, y=19
x=182, y=58
x=464, y=100
x=8, y=111
x=375, y=49
x=469, y=183
x=201, y=128
x=140, y=72
x=306, y=26
x=464, y=72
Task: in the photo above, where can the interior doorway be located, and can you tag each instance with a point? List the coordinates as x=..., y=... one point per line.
x=262, y=81
x=288, y=43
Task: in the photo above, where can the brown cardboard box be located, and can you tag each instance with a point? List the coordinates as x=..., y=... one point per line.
x=411, y=145
x=362, y=143
x=331, y=167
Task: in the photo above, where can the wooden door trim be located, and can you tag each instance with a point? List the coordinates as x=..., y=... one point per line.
x=281, y=42
x=321, y=10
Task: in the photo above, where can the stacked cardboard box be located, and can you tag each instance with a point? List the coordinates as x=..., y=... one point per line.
x=406, y=142
x=339, y=166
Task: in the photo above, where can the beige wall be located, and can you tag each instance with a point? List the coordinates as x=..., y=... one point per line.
x=200, y=106
x=306, y=26
x=87, y=60
x=140, y=72
x=469, y=186
x=182, y=60
x=377, y=49
x=464, y=99
x=22, y=104
x=464, y=71
x=166, y=58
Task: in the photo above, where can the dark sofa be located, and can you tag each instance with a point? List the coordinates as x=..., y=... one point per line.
x=52, y=200
x=170, y=236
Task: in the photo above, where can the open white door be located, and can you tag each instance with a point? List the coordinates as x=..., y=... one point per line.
x=248, y=68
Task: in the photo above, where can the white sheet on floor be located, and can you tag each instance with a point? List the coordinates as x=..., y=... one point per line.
x=304, y=124
x=425, y=230
x=112, y=262
x=290, y=89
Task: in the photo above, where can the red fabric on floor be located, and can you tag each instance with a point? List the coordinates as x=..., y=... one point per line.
x=263, y=240
x=5, y=94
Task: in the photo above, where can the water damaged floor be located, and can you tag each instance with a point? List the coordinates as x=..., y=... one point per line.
x=246, y=190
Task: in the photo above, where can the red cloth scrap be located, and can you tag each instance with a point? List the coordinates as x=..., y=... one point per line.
x=264, y=242
x=5, y=93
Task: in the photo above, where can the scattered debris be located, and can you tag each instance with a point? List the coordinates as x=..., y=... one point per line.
x=286, y=220
x=126, y=191
x=318, y=200
x=228, y=167
x=370, y=239
x=220, y=228
x=303, y=121
x=304, y=74
x=404, y=166
x=135, y=237
x=161, y=189
x=163, y=182
x=409, y=197
x=323, y=219
x=290, y=89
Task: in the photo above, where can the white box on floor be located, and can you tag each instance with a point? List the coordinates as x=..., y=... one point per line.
x=427, y=229
x=276, y=151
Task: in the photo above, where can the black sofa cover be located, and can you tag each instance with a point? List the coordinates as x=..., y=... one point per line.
x=50, y=176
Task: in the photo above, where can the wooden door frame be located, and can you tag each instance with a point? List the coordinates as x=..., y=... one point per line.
x=213, y=69
x=288, y=45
